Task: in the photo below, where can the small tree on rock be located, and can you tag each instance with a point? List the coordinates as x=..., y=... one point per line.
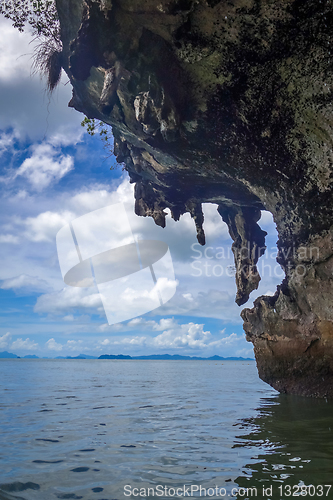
x=41, y=18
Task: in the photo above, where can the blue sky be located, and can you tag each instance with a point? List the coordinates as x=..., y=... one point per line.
x=53, y=172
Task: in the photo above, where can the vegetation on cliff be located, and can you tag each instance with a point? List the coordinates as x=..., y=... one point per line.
x=41, y=18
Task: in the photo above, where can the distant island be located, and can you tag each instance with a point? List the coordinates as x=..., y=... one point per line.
x=6, y=354
x=172, y=357
x=10, y=355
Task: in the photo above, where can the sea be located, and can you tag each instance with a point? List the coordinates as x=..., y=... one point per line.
x=117, y=429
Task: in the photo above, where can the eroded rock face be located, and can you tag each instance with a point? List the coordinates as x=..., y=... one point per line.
x=292, y=332
x=229, y=103
x=248, y=247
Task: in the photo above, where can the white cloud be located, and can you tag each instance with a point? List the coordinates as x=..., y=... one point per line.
x=69, y=317
x=25, y=282
x=175, y=336
x=105, y=327
x=98, y=197
x=26, y=344
x=18, y=197
x=12, y=65
x=24, y=104
x=66, y=136
x=67, y=300
x=5, y=340
x=45, y=226
x=7, y=140
x=105, y=342
x=157, y=326
x=211, y=304
x=141, y=324
x=134, y=341
x=74, y=345
x=233, y=337
x=188, y=296
x=245, y=353
x=46, y=165
x=213, y=223
x=196, y=297
x=71, y=345
x=52, y=345
x=18, y=344
x=189, y=335
x=9, y=238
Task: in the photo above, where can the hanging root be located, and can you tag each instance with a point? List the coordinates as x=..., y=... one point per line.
x=48, y=61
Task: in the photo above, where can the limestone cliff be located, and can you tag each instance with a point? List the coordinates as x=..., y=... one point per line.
x=228, y=102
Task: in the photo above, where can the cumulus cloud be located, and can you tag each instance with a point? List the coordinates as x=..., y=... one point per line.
x=143, y=324
x=18, y=344
x=45, y=226
x=69, y=317
x=12, y=65
x=140, y=324
x=46, y=165
x=157, y=326
x=9, y=238
x=245, y=353
x=99, y=197
x=211, y=304
x=7, y=140
x=70, y=345
x=196, y=296
x=23, y=282
x=188, y=335
x=165, y=336
x=67, y=300
x=24, y=104
x=74, y=345
x=105, y=342
x=134, y=341
x=52, y=345
x=26, y=344
x=5, y=340
x=66, y=136
x=213, y=223
x=191, y=336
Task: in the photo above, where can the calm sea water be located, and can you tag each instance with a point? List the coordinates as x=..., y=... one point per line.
x=85, y=429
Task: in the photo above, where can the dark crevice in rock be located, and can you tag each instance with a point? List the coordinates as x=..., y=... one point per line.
x=84, y=51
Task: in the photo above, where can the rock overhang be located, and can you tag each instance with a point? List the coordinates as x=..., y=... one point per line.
x=229, y=103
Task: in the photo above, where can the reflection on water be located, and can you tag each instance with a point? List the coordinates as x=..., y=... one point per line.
x=291, y=439
x=85, y=429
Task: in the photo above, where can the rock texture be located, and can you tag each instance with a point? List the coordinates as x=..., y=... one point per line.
x=227, y=102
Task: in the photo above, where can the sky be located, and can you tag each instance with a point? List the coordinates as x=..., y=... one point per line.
x=51, y=173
